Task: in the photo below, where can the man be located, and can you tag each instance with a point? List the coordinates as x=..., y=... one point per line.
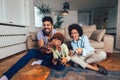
x=43, y=36
x=46, y=34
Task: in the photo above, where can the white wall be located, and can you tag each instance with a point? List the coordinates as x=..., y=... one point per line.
x=31, y=13
x=1, y=10
x=19, y=12
x=12, y=11
x=72, y=17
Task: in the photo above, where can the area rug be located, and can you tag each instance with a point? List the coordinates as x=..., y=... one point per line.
x=73, y=73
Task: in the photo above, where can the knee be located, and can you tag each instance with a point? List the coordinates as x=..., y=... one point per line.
x=102, y=55
x=32, y=51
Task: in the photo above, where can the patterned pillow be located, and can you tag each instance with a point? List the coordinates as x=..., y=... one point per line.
x=98, y=35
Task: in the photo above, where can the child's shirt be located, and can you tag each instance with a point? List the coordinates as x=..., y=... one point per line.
x=64, y=52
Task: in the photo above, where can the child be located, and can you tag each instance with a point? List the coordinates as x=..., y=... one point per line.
x=60, y=53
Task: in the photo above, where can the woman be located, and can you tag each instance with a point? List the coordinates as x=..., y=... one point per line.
x=85, y=55
x=59, y=51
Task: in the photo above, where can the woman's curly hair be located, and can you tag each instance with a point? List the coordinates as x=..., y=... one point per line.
x=76, y=27
x=59, y=36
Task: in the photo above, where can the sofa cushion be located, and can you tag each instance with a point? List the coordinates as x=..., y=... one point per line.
x=98, y=35
x=67, y=37
x=33, y=35
x=88, y=30
x=97, y=45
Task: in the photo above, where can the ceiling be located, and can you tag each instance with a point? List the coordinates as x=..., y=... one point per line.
x=81, y=5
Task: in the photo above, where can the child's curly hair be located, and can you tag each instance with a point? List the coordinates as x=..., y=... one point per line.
x=59, y=36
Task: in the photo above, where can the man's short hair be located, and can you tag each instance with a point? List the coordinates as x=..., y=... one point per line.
x=47, y=18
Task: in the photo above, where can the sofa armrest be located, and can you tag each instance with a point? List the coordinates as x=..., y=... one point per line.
x=30, y=43
x=109, y=43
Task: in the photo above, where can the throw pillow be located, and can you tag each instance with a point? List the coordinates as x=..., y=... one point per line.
x=98, y=35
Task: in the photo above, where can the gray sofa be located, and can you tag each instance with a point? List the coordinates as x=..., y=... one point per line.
x=98, y=38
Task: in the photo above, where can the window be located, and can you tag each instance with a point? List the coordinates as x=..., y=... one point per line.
x=38, y=17
x=83, y=18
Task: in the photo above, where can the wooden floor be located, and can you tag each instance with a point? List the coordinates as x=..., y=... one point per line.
x=38, y=72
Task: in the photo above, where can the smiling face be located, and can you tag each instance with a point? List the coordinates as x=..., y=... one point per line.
x=47, y=27
x=74, y=34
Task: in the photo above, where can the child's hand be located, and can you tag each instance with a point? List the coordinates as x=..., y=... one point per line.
x=64, y=61
x=49, y=51
x=71, y=53
x=54, y=61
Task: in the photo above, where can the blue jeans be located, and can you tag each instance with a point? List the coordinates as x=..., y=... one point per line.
x=33, y=53
x=58, y=66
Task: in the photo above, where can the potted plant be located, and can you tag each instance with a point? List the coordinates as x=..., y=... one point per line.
x=44, y=9
x=59, y=21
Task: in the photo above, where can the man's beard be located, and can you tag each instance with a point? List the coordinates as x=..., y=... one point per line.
x=46, y=32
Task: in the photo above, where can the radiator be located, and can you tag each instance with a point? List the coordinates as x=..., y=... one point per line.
x=12, y=39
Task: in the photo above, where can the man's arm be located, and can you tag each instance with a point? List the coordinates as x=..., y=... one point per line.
x=43, y=49
x=40, y=43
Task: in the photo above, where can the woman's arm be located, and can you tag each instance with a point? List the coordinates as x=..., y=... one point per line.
x=87, y=48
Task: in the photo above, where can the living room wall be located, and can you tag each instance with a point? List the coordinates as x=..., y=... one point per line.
x=106, y=17
x=100, y=15
x=118, y=27
x=112, y=20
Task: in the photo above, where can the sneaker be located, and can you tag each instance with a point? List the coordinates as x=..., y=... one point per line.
x=36, y=62
x=102, y=70
x=4, y=77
